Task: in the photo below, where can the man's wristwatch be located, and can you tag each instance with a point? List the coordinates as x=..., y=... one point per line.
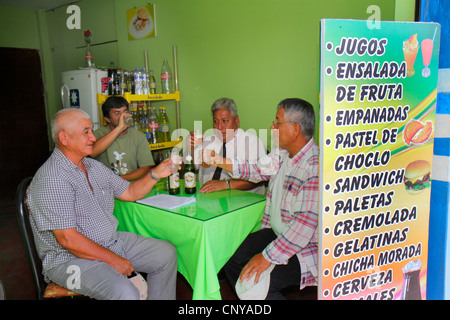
x=228, y=183
x=153, y=177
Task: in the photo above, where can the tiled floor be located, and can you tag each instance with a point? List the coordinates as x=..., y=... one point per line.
x=16, y=276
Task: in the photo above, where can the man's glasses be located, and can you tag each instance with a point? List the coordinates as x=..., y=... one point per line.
x=277, y=124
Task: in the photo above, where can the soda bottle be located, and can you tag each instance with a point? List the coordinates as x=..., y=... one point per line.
x=116, y=82
x=153, y=125
x=111, y=77
x=130, y=81
x=88, y=55
x=189, y=175
x=123, y=83
x=137, y=81
x=166, y=78
x=159, y=157
x=164, y=125
x=152, y=83
x=145, y=86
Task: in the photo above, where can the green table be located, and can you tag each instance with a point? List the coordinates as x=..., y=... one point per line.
x=205, y=233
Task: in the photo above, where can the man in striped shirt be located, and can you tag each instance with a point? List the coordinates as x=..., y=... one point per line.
x=288, y=238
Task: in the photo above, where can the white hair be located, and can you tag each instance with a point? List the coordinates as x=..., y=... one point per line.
x=57, y=125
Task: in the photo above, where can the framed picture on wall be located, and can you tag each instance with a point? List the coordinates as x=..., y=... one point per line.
x=141, y=22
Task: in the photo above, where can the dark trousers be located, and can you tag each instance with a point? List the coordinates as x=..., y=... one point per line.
x=282, y=276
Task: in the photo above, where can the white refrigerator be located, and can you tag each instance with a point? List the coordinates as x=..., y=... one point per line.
x=79, y=90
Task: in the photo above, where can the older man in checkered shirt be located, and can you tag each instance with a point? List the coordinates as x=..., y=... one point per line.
x=71, y=199
x=288, y=238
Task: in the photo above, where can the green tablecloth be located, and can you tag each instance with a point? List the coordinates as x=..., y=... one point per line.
x=205, y=233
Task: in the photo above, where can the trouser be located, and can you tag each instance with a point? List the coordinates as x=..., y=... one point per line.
x=98, y=280
x=282, y=276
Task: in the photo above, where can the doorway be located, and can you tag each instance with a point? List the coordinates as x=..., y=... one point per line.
x=24, y=144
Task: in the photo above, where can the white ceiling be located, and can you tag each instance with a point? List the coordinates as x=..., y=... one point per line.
x=36, y=4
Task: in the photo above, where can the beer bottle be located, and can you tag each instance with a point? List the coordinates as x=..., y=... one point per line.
x=134, y=113
x=152, y=82
x=189, y=175
x=174, y=183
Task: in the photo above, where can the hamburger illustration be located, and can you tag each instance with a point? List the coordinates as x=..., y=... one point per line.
x=142, y=18
x=417, y=176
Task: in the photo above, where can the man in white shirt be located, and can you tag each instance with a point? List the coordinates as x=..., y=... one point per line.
x=237, y=144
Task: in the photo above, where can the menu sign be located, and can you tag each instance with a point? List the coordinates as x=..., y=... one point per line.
x=378, y=101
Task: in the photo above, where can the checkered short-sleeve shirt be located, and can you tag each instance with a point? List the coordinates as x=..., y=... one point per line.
x=60, y=197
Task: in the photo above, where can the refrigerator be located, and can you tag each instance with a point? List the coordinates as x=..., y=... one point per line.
x=79, y=89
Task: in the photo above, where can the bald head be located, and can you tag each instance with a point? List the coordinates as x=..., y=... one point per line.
x=65, y=119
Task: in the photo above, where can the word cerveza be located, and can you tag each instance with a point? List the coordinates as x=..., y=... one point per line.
x=227, y=309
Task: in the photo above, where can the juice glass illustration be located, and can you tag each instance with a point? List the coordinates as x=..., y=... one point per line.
x=410, y=48
x=411, y=281
x=427, y=50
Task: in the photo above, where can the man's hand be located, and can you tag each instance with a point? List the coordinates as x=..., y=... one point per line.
x=210, y=158
x=82, y=247
x=214, y=185
x=163, y=169
x=122, y=266
x=257, y=264
x=122, y=124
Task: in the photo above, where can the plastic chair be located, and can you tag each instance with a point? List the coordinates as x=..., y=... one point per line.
x=43, y=290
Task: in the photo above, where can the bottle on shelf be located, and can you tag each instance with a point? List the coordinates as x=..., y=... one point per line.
x=158, y=157
x=145, y=85
x=153, y=125
x=138, y=81
x=122, y=81
x=190, y=181
x=134, y=114
x=111, y=76
x=164, y=125
x=130, y=81
x=152, y=82
x=140, y=112
x=144, y=127
x=166, y=78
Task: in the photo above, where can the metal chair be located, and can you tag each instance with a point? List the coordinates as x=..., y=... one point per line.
x=43, y=290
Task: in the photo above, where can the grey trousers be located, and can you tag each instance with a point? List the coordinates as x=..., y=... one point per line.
x=98, y=280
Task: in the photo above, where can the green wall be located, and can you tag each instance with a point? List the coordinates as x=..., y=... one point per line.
x=257, y=52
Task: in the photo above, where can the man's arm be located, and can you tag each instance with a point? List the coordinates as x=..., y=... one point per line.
x=136, y=174
x=217, y=185
x=139, y=188
x=83, y=247
x=102, y=143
